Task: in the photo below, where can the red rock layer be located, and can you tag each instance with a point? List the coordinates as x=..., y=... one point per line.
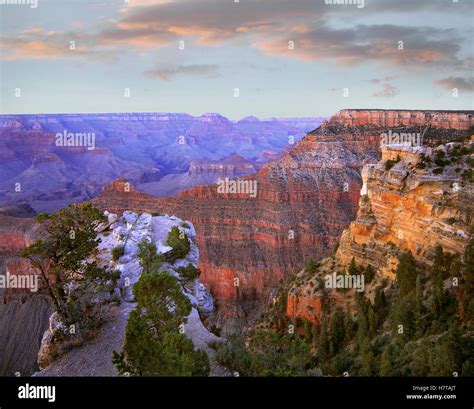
x=390, y=118
x=304, y=201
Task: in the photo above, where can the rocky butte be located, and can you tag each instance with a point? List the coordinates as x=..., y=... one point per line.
x=415, y=205
x=304, y=202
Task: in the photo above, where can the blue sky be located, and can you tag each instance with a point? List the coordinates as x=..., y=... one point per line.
x=229, y=45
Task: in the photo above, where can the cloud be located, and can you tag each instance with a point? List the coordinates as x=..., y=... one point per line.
x=207, y=71
x=388, y=91
x=426, y=46
x=267, y=25
x=464, y=84
x=37, y=44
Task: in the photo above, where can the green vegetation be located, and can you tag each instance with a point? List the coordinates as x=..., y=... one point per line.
x=189, y=272
x=150, y=261
x=311, y=266
x=416, y=326
x=155, y=344
x=72, y=282
x=118, y=252
x=271, y=354
x=389, y=164
x=179, y=242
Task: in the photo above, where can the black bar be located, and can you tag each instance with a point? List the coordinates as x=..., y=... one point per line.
x=238, y=393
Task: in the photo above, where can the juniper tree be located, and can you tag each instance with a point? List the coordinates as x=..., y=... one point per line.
x=155, y=344
x=69, y=239
x=179, y=242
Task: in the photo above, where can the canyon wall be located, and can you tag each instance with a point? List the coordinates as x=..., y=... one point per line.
x=410, y=206
x=23, y=314
x=460, y=120
x=303, y=203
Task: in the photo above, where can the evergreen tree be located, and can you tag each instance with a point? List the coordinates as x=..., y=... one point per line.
x=406, y=273
x=337, y=332
x=369, y=274
x=465, y=293
x=420, y=365
x=68, y=240
x=323, y=341
x=150, y=261
x=307, y=330
x=380, y=306
x=403, y=318
x=352, y=270
x=369, y=362
x=386, y=361
x=372, y=324
x=154, y=342
x=179, y=242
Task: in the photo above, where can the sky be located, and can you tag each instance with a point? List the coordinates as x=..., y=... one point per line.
x=267, y=58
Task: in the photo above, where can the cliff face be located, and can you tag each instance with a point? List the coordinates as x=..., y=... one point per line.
x=55, y=172
x=23, y=314
x=303, y=203
x=200, y=172
x=411, y=206
x=77, y=356
x=391, y=118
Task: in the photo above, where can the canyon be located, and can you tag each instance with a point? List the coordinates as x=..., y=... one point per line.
x=37, y=168
x=306, y=199
x=304, y=202
x=407, y=207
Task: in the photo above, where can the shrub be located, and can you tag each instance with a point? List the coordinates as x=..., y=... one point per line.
x=189, y=272
x=438, y=171
x=118, y=252
x=154, y=346
x=150, y=261
x=369, y=274
x=311, y=267
x=391, y=163
x=179, y=242
x=440, y=162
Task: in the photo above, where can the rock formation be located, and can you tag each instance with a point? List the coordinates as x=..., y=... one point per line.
x=200, y=172
x=93, y=357
x=304, y=202
x=49, y=173
x=410, y=206
x=23, y=314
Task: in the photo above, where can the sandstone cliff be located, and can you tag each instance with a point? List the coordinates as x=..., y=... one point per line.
x=414, y=199
x=304, y=202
